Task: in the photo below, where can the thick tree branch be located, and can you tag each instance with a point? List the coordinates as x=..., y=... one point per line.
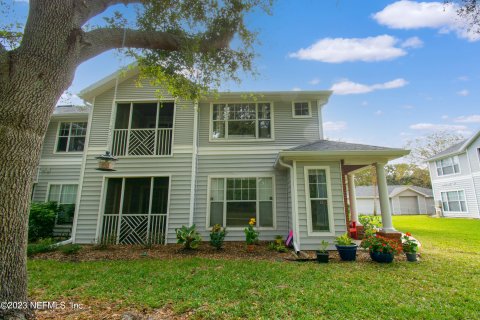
x=88, y=9
x=100, y=40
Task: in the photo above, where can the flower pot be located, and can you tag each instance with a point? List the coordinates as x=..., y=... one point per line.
x=347, y=253
x=381, y=257
x=250, y=247
x=411, y=256
x=322, y=257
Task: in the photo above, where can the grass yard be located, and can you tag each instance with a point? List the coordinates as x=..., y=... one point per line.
x=444, y=285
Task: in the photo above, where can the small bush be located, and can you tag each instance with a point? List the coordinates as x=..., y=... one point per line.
x=344, y=240
x=217, y=236
x=277, y=245
x=70, y=248
x=43, y=245
x=188, y=236
x=370, y=224
x=41, y=220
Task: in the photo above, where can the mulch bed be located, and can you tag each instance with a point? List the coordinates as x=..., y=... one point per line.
x=231, y=251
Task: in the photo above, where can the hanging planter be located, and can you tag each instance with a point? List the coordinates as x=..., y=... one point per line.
x=106, y=162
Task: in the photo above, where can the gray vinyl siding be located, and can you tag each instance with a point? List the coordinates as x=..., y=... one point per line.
x=289, y=131
x=248, y=164
x=49, y=141
x=465, y=184
x=474, y=155
x=179, y=165
x=312, y=242
x=61, y=174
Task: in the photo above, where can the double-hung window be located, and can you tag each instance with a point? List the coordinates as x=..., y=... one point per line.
x=318, y=199
x=447, y=166
x=240, y=121
x=301, y=110
x=234, y=201
x=65, y=195
x=71, y=136
x=454, y=201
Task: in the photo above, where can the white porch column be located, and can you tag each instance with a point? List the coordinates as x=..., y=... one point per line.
x=384, y=198
x=352, y=197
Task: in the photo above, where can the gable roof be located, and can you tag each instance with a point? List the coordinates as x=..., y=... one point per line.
x=368, y=192
x=456, y=148
x=328, y=145
x=70, y=111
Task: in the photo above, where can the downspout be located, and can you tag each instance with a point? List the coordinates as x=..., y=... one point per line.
x=473, y=183
x=80, y=182
x=293, y=192
x=194, y=163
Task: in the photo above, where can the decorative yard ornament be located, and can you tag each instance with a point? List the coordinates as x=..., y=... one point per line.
x=106, y=162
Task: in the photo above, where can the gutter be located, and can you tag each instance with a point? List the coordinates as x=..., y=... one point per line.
x=193, y=181
x=293, y=193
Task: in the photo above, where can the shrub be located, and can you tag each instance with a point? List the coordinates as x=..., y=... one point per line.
x=344, y=240
x=70, y=248
x=188, y=236
x=409, y=245
x=217, y=236
x=323, y=246
x=277, y=245
x=251, y=236
x=370, y=224
x=43, y=245
x=381, y=244
x=41, y=220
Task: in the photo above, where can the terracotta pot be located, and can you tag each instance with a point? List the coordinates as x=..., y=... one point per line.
x=250, y=247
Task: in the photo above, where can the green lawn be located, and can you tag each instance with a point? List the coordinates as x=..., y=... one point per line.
x=444, y=285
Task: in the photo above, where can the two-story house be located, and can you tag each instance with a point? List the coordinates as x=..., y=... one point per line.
x=455, y=175
x=220, y=160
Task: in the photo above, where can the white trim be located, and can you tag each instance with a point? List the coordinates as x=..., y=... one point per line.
x=60, y=183
x=57, y=136
x=82, y=173
x=309, y=109
x=226, y=140
x=193, y=177
x=331, y=224
x=453, y=166
x=465, y=200
x=253, y=150
x=297, y=219
x=257, y=200
x=473, y=179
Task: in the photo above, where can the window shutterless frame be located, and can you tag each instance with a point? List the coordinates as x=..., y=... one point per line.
x=331, y=225
x=309, y=115
x=460, y=200
x=256, y=176
x=257, y=119
x=57, y=137
x=455, y=161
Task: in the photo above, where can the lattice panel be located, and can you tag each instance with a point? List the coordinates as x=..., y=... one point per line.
x=119, y=145
x=109, y=229
x=142, y=142
x=158, y=225
x=133, y=229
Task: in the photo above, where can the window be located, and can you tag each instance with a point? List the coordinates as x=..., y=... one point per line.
x=318, y=201
x=233, y=201
x=65, y=195
x=301, y=110
x=71, y=136
x=454, y=201
x=237, y=121
x=143, y=129
x=447, y=166
x=478, y=153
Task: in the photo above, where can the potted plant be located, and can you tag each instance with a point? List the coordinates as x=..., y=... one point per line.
x=251, y=235
x=346, y=248
x=410, y=247
x=381, y=249
x=322, y=254
x=217, y=236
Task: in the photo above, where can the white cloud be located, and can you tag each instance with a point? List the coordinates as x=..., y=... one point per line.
x=474, y=118
x=408, y=106
x=334, y=125
x=461, y=129
x=378, y=112
x=445, y=117
x=70, y=98
x=296, y=89
x=413, y=42
x=314, y=81
x=463, y=78
x=337, y=50
x=407, y=14
x=348, y=87
x=364, y=103
x=463, y=93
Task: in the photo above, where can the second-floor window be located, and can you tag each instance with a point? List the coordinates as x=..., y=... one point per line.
x=240, y=121
x=447, y=166
x=71, y=136
x=301, y=110
x=143, y=129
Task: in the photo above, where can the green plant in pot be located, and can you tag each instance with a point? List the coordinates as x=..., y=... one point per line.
x=322, y=254
x=410, y=247
x=381, y=249
x=346, y=248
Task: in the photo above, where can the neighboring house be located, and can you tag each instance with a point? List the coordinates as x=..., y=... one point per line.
x=403, y=200
x=455, y=175
x=220, y=160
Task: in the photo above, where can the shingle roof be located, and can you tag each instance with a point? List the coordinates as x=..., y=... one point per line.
x=368, y=191
x=328, y=145
x=453, y=149
x=67, y=109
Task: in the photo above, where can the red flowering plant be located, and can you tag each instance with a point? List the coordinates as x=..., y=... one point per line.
x=381, y=244
x=409, y=245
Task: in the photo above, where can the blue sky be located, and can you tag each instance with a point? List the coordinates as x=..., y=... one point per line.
x=401, y=69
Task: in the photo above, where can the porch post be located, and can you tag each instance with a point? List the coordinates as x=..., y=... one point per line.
x=352, y=197
x=384, y=199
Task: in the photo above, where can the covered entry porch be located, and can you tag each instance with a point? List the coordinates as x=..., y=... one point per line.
x=322, y=176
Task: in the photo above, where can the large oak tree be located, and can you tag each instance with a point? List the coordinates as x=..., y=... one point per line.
x=188, y=46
